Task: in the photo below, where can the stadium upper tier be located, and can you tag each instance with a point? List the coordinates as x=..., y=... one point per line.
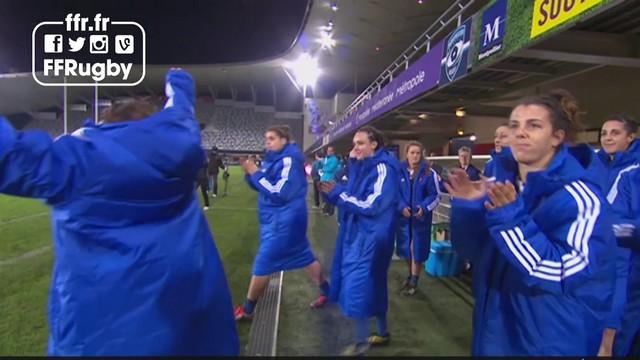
x=228, y=127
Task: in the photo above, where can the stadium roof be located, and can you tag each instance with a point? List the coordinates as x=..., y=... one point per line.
x=369, y=35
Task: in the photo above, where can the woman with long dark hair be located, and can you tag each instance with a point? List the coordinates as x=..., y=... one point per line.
x=539, y=238
x=365, y=239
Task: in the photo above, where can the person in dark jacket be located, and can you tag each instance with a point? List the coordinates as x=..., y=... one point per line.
x=316, y=169
x=364, y=246
x=464, y=163
x=203, y=184
x=215, y=164
x=540, y=239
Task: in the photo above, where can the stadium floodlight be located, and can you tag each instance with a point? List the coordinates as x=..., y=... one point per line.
x=305, y=70
x=326, y=41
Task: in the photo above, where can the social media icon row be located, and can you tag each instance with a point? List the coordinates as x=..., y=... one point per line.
x=98, y=44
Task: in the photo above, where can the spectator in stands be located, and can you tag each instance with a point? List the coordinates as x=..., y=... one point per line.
x=365, y=238
x=330, y=166
x=501, y=142
x=419, y=195
x=316, y=168
x=136, y=270
x=282, y=208
x=464, y=163
x=620, y=154
x=215, y=164
x=540, y=239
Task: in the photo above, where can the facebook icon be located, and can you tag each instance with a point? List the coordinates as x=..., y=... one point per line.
x=52, y=44
x=493, y=26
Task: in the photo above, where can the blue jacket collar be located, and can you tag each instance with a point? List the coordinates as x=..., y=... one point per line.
x=569, y=164
x=621, y=159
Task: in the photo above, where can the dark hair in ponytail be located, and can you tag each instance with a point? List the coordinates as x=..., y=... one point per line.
x=563, y=107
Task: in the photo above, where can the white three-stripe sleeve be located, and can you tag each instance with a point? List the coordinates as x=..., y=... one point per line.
x=613, y=193
x=371, y=200
x=284, y=177
x=539, y=256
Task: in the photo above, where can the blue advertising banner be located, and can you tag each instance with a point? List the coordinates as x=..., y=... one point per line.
x=420, y=77
x=494, y=23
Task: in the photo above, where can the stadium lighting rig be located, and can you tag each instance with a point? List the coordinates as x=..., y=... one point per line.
x=305, y=71
x=326, y=41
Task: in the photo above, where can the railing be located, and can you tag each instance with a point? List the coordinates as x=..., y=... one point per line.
x=422, y=43
x=442, y=212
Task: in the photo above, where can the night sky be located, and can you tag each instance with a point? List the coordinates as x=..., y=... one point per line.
x=178, y=32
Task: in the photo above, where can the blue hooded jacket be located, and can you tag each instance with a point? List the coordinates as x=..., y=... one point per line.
x=413, y=235
x=365, y=238
x=609, y=173
x=624, y=196
x=136, y=270
x=543, y=265
x=490, y=167
x=282, y=187
x=621, y=161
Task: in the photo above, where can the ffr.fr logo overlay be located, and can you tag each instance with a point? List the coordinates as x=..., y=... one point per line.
x=80, y=51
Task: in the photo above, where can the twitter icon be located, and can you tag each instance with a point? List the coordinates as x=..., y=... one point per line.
x=76, y=45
